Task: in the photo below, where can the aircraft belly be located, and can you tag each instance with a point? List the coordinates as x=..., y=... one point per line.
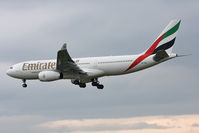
x=113, y=69
x=148, y=62
x=70, y=76
x=27, y=75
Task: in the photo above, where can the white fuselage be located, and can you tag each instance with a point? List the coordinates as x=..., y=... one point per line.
x=95, y=66
x=84, y=70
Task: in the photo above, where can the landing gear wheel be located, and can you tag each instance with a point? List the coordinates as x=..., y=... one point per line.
x=82, y=85
x=76, y=82
x=24, y=85
x=100, y=86
x=94, y=83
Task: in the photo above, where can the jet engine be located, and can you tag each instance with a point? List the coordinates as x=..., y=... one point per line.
x=49, y=76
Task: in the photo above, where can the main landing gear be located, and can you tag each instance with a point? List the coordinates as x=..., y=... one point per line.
x=24, y=83
x=95, y=82
x=81, y=85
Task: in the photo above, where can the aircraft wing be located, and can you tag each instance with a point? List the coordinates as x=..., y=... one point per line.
x=65, y=64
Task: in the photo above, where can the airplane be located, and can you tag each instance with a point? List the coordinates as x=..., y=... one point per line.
x=88, y=70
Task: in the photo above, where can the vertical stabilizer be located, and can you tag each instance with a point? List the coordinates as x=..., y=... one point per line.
x=167, y=37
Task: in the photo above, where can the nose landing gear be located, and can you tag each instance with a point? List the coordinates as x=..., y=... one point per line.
x=24, y=83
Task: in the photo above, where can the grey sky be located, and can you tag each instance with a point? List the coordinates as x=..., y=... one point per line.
x=31, y=30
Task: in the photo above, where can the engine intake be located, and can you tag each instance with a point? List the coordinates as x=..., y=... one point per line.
x=49, y=76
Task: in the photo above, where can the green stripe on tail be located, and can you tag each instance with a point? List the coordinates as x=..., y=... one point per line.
x=172, y=30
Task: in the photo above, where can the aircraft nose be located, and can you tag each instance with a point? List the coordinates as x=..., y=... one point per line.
x=9, y=72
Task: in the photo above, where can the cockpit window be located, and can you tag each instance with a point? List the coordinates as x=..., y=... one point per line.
x=11, y=67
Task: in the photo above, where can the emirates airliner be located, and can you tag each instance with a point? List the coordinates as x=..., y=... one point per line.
x=84, y=70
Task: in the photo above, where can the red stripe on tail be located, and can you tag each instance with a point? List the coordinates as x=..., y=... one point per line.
x=146, y=54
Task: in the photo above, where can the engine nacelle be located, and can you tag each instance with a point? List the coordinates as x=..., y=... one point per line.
x=49, y=76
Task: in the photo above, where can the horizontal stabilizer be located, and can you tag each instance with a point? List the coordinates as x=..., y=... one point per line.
x=183, y=55
x=161, y=54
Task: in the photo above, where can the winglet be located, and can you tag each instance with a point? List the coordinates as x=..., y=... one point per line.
x=64, y=46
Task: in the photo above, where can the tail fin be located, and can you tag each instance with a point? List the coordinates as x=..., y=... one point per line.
x=166, y=39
